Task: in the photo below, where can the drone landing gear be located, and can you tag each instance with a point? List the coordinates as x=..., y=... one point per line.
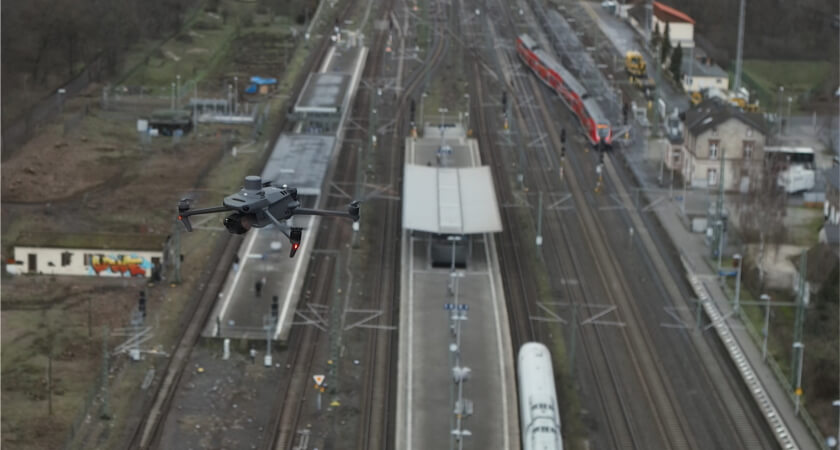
x=294, y=234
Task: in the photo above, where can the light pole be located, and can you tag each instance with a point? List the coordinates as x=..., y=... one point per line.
x=766, y=299
x=178, y=89
x=467, y=99
x=721, y=231
x=235, y=94
x=779, y=108
x=454, y=240
x=737, y=258
x=61, y=93
x=787, y=127
x=172, y=105
x=442, y=132
x=836, y=403
x=230, y=89
x=799, y=348
x=422, y=97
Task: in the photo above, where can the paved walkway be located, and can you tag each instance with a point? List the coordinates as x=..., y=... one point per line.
x=694, y=249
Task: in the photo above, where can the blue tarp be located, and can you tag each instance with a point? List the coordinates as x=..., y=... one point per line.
x=251, y=89
x=261, y=81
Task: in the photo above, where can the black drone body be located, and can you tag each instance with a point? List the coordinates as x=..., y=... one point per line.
x=259, y=204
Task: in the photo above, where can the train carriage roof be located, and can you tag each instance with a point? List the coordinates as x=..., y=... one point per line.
x=551, y=62
x=554, y=65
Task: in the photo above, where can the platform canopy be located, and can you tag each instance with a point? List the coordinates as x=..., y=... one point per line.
x=450, y=200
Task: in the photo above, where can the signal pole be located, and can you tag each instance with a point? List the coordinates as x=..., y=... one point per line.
x=801, y=303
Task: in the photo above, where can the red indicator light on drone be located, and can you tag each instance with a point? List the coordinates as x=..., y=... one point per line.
x=295, y=246
x=180, y=218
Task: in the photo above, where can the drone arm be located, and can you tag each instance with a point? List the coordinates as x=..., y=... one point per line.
x=184, y=214
x=324, y=212
x=276, y=222
x=215, y=209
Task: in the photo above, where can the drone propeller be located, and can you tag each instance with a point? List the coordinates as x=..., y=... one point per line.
x=183, y=208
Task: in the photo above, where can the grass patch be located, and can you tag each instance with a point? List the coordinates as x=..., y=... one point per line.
x=797, y=77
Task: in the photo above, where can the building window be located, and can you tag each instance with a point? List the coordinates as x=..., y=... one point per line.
x=711, y=176
x=749, y=132
x=65, y=258
x=714, y=146
x=748, y=149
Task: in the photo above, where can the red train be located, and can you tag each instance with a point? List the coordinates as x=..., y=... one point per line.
x=552, y=73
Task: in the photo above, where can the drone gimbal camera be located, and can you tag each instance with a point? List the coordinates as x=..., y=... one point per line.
x=259, y=204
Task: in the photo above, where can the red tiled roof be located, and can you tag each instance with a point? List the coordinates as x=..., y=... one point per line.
x=667, y=14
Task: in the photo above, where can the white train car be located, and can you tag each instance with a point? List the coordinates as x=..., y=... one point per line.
x=538, y=408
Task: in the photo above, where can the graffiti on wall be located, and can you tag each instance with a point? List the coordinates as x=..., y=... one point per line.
x=120, y=265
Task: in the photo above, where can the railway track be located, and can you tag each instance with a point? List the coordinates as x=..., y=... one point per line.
x=149, y=429
x=379, y=402
x=559, y=254
x=375, y=429
x=573, y=238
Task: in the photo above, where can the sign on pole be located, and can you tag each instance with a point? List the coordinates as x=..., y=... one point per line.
x=319, y=379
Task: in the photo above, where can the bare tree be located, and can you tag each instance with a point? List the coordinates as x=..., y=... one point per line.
x=761, y=211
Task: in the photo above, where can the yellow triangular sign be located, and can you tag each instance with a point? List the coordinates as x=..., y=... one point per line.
x=319, y=379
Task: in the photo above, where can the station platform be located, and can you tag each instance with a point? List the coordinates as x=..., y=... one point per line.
x=301, y=161
x=427, y=394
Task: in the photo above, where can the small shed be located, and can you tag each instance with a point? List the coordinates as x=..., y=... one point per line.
x=169, y=122
x=261, y=85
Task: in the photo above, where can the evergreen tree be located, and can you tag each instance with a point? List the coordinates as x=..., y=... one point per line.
x=666, y=43
x=676, y=62
x=655, y=37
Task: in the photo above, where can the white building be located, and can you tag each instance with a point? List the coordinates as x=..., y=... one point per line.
x=680, y=25
x=102, y=254
x=716, y=129
x=699, y=72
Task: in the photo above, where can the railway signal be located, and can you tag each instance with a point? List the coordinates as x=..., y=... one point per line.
x=141, y=303
x=275, y=306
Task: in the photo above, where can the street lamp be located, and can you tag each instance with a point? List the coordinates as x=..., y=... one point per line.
x=737, y=259
x=61, y=93
x=442, y=142
x=836, y=403
x=178, y=89
x=422, y=97
x=454, y=240
x=235, y=94
x=787, y=128
x=467, y=114
x=779, y=108
x=766, y=299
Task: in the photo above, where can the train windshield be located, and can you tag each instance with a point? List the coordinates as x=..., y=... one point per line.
x=603, y=131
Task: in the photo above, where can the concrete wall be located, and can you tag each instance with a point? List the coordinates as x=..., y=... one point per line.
x=737, y=171
x=111, y=263
x=695, y=83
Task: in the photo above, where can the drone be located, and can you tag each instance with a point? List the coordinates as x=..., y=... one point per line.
x=259, y=204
